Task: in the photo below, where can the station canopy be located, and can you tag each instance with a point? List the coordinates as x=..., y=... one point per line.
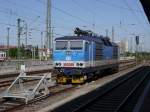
x=146, y=7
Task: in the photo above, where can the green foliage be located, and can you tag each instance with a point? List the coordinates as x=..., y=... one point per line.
x=37, y=52
x=13, y=52
x=25, y=53
x=139, y=55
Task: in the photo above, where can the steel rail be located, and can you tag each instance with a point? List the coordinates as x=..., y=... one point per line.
x=109, y=90
x=9, y=108
x=132, y=92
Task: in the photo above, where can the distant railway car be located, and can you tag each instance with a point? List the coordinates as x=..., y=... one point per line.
x=79, y=58
x=2, y=56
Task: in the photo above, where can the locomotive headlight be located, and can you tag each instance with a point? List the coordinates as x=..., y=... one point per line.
x=81, y=64
x=85, y=77
x=78, y=64
x=58, y=64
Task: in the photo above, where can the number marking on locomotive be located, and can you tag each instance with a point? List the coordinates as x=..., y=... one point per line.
x=68, y=64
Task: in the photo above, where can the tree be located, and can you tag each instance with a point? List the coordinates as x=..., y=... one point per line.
x=37, y=52
x=13, y=52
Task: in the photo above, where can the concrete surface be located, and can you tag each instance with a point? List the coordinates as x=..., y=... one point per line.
x=85, y=89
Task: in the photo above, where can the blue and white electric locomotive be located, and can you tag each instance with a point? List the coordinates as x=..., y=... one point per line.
x=78, y=58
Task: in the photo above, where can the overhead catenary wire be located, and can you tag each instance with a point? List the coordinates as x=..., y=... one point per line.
x=67, y=13
x=77, y=17
x=87, y=9
x=135, y=16
x=116, y=6
x=128, y=8
x=8, y=11
x=24, y=7
x=43, y=22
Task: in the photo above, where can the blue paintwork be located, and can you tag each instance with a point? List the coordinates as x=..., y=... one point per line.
x=94, y=51
x=61, y=55
x=83, y=55
x=107, y=52
x=86, y=52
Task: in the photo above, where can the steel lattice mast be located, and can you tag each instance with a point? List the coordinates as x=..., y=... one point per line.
x=48, y=26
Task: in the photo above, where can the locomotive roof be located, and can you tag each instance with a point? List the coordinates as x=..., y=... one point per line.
x=97, y=39
x=88, y=38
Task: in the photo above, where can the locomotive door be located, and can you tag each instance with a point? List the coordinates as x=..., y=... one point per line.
x=91, y=54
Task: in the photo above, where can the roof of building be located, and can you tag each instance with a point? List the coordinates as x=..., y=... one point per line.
x=4, y=47
x=2, y=52
x=146, y=7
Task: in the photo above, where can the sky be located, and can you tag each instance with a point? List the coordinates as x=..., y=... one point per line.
x=126, y=16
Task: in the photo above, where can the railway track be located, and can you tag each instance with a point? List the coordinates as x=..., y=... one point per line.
x=11, y=105
x=8, y=105
x=15, y=74
x=6, y=83
x=120, y=95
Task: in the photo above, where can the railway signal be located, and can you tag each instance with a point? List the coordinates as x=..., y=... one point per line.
x=137, y=43
x=137, y=40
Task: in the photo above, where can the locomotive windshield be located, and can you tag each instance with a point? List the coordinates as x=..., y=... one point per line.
x=76, y=45
x=61, y=45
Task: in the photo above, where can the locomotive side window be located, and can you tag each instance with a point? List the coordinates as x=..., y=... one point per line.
x=76, y=45
x=61, y=45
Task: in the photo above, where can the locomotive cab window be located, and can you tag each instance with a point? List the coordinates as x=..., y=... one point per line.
x=61, y=45
x=76, y=45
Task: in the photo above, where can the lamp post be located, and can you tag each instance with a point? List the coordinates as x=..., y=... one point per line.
x=8, y=29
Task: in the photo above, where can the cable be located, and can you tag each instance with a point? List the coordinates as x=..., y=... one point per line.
x=136, y=17
x=116, y=6
x=35, y=29
x=10, y=12
x=89, y=10
x=66, y=13
x=60, y=10
x=23, y=6
x=12, y=25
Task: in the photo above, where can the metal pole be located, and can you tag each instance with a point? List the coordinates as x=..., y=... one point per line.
x=106, y=32
x=131, y=45
x=113, y=33
x=41, y=40
x=136, y=54
x=8, y=29
x=26, y=40
x=34, y=53
x=93, y=23
x=52, y=37
x=137, y=43
x=48, y=25
x=19, y=33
